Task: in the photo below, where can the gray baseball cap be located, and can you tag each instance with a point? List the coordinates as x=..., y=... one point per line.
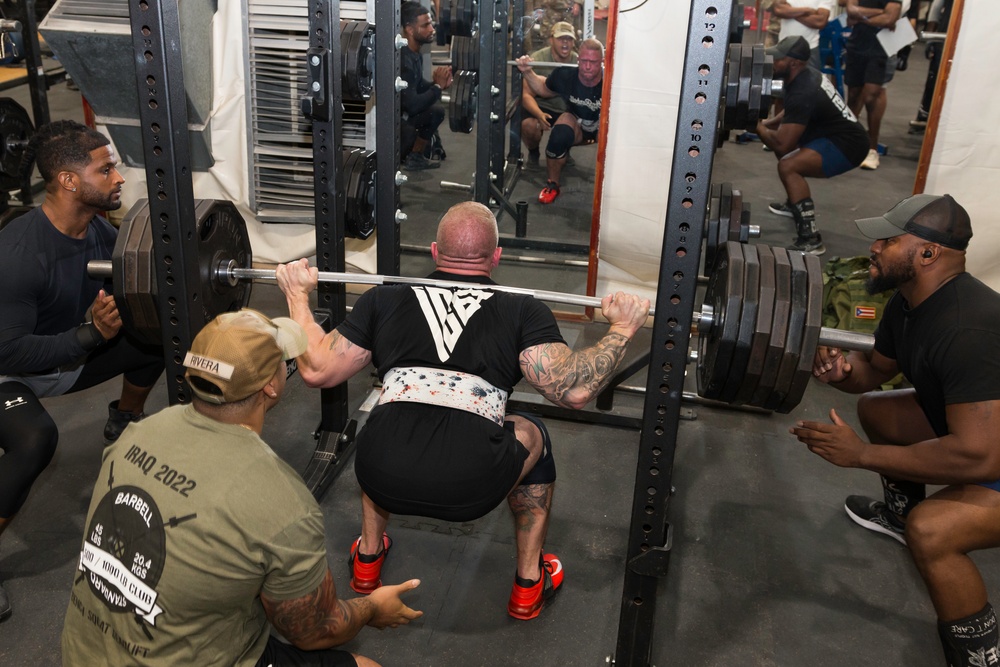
x=936, y=218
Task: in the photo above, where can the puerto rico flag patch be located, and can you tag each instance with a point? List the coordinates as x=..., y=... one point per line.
x=864, y=313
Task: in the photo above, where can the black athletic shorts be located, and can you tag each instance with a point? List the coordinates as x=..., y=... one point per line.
x=859, y=70
x=279, y=654
x=436, y=462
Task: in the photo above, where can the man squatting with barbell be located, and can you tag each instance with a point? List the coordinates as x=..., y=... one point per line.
x=441, y=443
x=581, y=91
x=60, y=331
x=942, y=330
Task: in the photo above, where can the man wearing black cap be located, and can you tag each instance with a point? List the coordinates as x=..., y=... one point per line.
x=942, y=330
x=814, y=136
x=199, y=538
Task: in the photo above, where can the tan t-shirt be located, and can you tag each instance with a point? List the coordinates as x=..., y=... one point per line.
x=189, y=521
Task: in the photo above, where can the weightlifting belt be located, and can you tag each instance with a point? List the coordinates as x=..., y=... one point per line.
x=449, y=389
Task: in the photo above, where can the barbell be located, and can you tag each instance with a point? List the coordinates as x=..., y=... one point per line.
x=758, y=327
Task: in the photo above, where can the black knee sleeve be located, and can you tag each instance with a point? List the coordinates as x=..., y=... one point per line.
x=561, y=139
x=544, y=471
x=28, y=437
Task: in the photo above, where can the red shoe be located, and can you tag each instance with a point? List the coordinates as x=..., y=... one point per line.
x=526, y=603
x=366, y=577
x=549, y=192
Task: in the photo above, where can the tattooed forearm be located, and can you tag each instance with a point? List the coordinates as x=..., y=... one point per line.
x=573, y=378
x=319, y=619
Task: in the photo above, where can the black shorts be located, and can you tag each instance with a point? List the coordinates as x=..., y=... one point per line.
x=862, y=69
x=436, y=462
x=280, y=654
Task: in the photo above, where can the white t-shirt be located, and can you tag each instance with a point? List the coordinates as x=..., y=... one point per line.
x=792, y=27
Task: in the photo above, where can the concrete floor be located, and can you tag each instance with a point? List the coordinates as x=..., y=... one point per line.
x=766, y=569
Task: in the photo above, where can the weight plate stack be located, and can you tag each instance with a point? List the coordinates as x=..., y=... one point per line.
x=16, y=130
x=725, y=295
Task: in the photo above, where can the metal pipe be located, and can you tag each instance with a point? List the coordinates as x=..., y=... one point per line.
x=521, y=259
x=229, y=273
x=451, y=185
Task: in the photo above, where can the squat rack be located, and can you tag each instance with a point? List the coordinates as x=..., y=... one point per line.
x=163, y=119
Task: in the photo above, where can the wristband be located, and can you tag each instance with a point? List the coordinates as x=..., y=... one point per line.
x=89, y=337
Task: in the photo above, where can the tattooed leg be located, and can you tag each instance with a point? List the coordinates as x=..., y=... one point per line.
x=530, y=504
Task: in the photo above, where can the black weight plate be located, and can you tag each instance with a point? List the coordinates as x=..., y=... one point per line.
x=132, y=275
x=736, y=24
x=222, y=236
x=15, y=131
x=810, y=335
x=796, y=329
x=365, y=60
x=765, y=91
x=469, y=104
x=712, y=229
x=735, y=217
x=763, y=323
x=472, y=53
x=458, y=54
x=743, y=100
x=455, y=103
x=732, y=87
x=756, y=84
x=444, y=24
x=744, y=230
x=779, y=328
x=725, y=211
x=725, y=295
x=365, y=193
x=748, y=323
x=348, y=160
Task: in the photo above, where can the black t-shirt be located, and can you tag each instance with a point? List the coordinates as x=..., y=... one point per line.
x=420, y=94
x=46, y=291
x=948, y=347
x=811, y=100
x=863, y=40
x=477, y=331
x=582, y=101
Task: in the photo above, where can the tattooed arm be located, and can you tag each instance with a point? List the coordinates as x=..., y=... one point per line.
x=330, y=359
x=320, y=620
x=572, y=379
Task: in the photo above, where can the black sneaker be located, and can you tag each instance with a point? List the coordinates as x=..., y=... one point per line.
x=117, y=421
x=812, y=245
x=417, y=162
x=873, y=515
x=782, y=208
x=5, y=609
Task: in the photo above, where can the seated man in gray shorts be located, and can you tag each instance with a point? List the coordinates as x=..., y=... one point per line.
x=441, y=443
x=814, y=136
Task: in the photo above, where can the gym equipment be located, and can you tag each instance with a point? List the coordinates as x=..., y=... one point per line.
x=15, y=132
x=357, y=57
x=463, y=103
x=758, y=328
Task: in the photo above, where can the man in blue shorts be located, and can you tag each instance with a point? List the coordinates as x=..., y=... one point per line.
x=815, y=135
x=440, y=443
x=942, y=330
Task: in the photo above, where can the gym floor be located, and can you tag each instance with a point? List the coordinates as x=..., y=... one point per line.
x=766, y=570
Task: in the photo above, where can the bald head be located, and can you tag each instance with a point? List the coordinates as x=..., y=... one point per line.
x=467, y=236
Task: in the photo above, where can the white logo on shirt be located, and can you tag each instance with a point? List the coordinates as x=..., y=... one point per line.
x=447, y=312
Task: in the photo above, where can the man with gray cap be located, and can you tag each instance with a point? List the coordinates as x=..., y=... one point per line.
x=199, y=538
x=941, y=329
x=815, y=135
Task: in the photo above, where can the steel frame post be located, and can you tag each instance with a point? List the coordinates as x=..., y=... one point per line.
x=498, y=97
x=38, y=85
x=516, y=81
x=323, y=103
x=387, y=112
x=649, y=541
x=156, y=40
x=487, y=36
